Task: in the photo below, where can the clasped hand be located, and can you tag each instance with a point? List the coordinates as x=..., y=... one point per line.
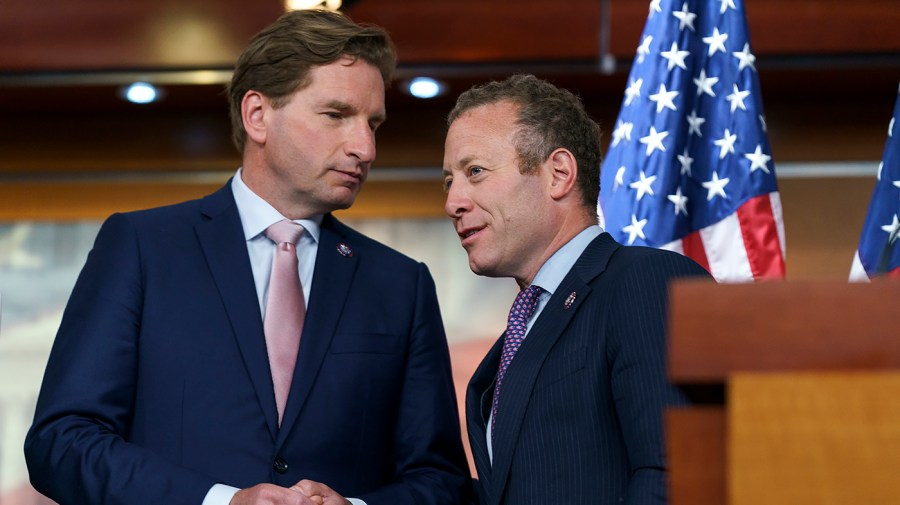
x=305, y=492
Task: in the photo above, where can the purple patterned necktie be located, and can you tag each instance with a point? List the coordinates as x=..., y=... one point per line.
x=285, y=309
x=516, y=326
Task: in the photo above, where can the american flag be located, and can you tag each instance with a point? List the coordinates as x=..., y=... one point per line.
x=879, y=247
x=689, y=166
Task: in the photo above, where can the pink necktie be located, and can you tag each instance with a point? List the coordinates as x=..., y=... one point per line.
x=285, y=310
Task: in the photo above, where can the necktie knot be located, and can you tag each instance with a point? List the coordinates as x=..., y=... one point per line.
x=284, y=231
x=523, y=307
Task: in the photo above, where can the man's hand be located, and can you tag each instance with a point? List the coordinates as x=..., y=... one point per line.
x=317, y=490
x=270, y=494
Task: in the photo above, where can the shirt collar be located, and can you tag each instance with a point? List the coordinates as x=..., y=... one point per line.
x=555, y=269
x=257, y=214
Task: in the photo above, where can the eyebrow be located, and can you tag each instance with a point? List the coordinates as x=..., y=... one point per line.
x=465, y=160
x=347, y=108
x=459, y=166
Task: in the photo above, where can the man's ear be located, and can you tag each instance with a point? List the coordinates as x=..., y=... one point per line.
x=253, y=114
x=563, y=171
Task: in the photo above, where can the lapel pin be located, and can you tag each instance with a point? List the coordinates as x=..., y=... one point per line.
x=345, y=250
x=569, y=301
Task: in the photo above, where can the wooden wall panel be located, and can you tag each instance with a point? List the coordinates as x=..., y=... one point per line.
x=823, y=220
x=476, y=31
x=62, y=35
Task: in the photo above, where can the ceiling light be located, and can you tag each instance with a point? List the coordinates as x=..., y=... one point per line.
x=425, y=87
x=141, y=92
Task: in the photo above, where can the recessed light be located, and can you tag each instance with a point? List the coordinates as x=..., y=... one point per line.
x=425, y=87
x=141, y=92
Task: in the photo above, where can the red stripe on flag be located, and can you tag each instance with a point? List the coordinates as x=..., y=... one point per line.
x=693, y=249
x=760, y=234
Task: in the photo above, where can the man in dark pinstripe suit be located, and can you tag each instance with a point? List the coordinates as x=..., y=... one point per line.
x=579, y=419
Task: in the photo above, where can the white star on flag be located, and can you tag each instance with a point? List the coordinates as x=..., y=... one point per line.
x=655, y=7
x=716, y=41
x=745, y=58
x=686, y=162
x=635, y=229
x=680, y=202
x=675, y=57
x=737, y=99
x=726, y=143
x=654, y=140
x=715, y=187
x=643, y=186
x=892, y=229
x=622, y=132
x=758, y=160
x=705, y=84
x=725, y=5
x=685, y=17
x=644, y=49
x=620, y=178
x=664, y=98
x=633, y=91
x=694, y=123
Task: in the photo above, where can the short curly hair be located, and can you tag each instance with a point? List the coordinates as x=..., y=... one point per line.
x=548, y=118
x=278, y=59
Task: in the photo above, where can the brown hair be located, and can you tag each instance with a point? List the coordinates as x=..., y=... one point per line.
x=278, y=59
x=548, y=118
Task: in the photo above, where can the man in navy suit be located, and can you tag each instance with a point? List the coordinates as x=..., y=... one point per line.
x=567, y=406
x=159, y=390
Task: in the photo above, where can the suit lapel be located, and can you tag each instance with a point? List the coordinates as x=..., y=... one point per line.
x=222, y=240
x=331, y=284
x=478, y=392
x=523, y=372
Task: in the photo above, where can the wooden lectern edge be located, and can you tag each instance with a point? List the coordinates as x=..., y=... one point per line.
x=719, y=329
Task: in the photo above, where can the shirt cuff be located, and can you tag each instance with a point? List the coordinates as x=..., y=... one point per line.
x=220, y=494
x=356, y=501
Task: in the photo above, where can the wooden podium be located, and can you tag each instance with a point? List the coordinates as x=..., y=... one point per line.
x=805, y=382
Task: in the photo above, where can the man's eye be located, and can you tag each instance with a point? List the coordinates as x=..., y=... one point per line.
x=447, y=183
x=334, y=115
x=475, y=171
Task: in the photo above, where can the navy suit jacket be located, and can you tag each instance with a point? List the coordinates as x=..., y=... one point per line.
x=580, y=416
x=158, y=385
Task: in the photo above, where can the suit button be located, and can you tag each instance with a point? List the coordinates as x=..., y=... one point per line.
x=280, y=466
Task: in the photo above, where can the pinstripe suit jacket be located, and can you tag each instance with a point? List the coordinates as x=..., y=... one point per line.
x=580, y=419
